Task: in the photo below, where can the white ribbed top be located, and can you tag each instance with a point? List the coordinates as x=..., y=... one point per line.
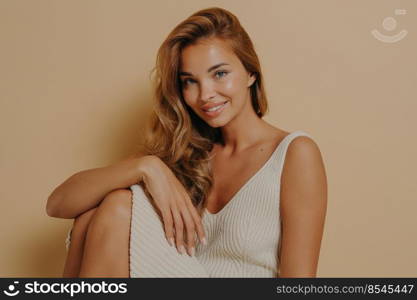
x=243, y=238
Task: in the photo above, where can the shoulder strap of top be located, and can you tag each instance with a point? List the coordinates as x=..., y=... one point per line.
x=282, y=149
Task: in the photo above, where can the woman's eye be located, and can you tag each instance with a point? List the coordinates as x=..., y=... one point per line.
x=220, y=74
x=186, y=81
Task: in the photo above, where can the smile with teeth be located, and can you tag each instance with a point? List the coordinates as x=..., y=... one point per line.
x=216, y=107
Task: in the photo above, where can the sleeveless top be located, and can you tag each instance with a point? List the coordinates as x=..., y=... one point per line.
x=243, y=238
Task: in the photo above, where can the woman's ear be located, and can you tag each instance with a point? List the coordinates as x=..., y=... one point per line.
x=251, y=79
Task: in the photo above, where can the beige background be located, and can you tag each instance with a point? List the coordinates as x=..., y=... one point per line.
x=75, y=93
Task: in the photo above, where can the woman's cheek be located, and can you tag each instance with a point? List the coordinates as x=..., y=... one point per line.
x=187, y=97
x=190, y=101
x=232, y=85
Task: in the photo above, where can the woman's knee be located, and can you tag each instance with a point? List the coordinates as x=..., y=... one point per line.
x=117, y=204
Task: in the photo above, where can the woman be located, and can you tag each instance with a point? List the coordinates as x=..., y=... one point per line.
x=211, y=167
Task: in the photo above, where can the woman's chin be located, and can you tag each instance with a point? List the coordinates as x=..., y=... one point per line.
x=217, y=124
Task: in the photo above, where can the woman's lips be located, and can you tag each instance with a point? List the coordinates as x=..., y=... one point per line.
x=208, y=106
x=216, y=112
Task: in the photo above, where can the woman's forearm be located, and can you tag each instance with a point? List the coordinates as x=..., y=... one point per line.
x=86, y=189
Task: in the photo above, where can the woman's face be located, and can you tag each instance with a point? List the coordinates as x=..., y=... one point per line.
x=214, y=82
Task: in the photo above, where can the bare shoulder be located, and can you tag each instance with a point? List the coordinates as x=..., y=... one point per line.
x=304, y=148
x=303, y=165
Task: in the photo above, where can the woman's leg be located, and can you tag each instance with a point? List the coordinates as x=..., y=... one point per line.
x=76, y=247
x=106, y=249
x=115, y=244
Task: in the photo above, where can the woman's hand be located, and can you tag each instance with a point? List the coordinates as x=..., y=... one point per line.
x=176, y=208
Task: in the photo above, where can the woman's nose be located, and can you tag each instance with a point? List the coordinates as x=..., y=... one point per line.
x=207, y=92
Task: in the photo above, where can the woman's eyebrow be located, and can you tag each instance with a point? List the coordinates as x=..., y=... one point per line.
x=182, y=73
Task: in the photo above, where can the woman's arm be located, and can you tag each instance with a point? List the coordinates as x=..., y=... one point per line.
x=86, y=189
x=303, y=209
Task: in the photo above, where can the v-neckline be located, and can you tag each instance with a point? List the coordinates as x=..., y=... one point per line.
x=247, y=181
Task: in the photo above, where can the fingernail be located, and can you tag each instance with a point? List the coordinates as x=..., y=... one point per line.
x=204, y=241
x=171, y=242
x=182, y=249
x=192, y=251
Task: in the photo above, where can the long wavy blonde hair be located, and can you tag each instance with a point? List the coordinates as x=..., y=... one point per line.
x=178, y=136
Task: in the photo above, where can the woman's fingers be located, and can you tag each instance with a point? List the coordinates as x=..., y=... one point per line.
x=189, y=228
x=179, y=229
x=180, y=217
x=197, y=221
x=168, y=226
